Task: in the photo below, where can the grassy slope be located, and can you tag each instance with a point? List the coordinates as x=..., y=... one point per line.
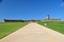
x=57, y=26
x=7, y=28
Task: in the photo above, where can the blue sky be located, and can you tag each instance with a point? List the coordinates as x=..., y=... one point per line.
x=29, y=9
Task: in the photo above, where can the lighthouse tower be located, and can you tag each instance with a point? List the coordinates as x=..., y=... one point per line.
x=48, y=17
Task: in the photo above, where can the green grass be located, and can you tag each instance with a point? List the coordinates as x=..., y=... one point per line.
x=9, y=27
x=55, y=25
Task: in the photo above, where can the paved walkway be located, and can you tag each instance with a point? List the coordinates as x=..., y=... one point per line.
x=34, y=32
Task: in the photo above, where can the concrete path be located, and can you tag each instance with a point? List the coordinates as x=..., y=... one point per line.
x=34, y=32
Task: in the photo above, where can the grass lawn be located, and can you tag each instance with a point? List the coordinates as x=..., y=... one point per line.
x=55, y=25
x=9, y=27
